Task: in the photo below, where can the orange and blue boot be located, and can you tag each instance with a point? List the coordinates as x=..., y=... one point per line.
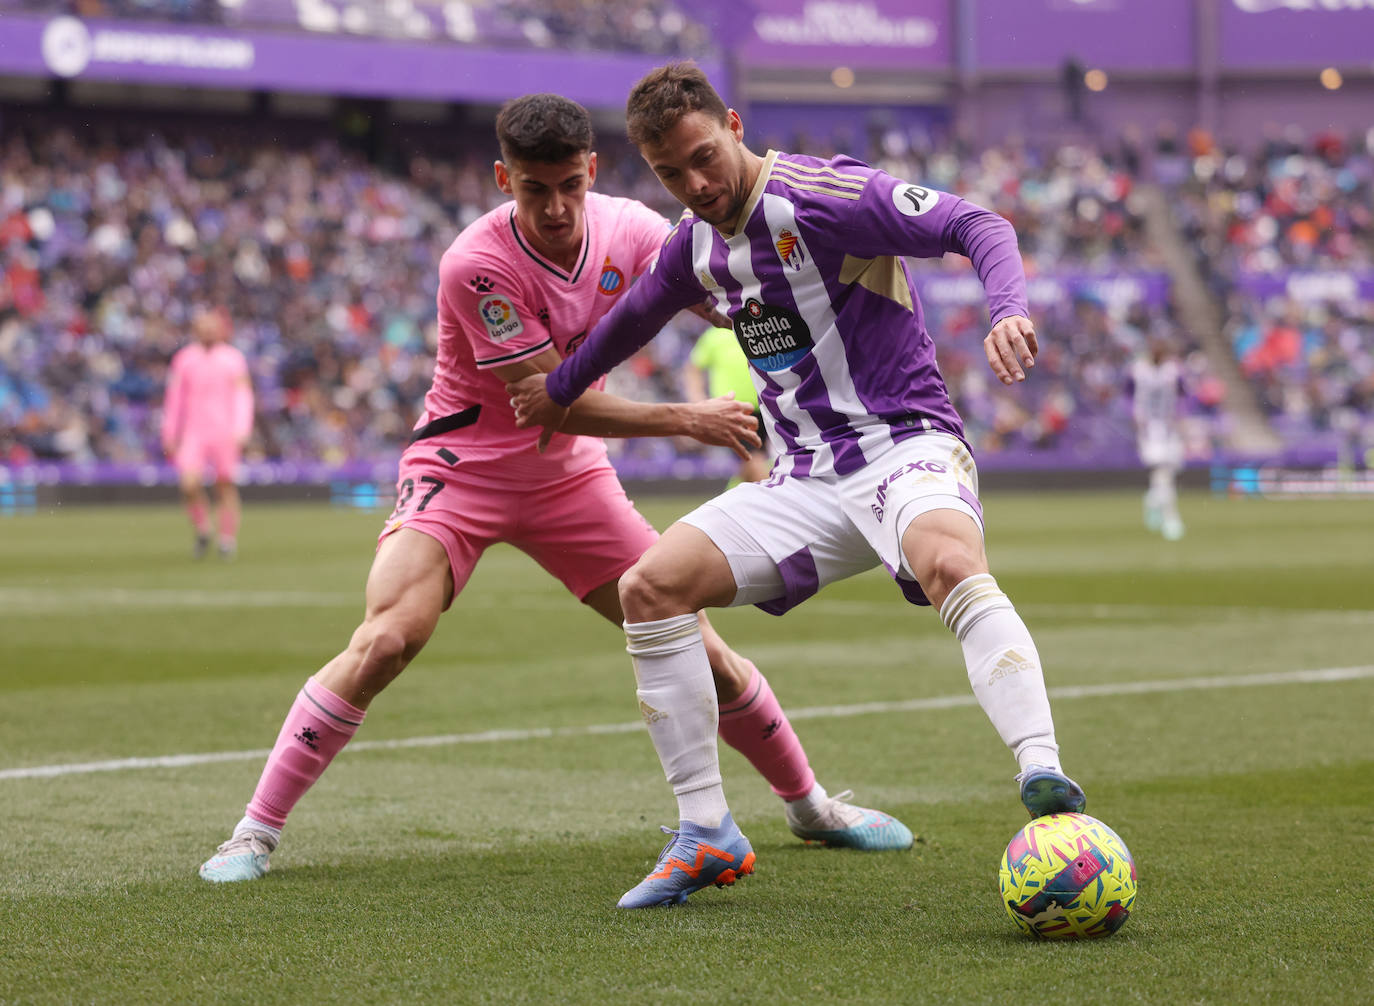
x=694, y=857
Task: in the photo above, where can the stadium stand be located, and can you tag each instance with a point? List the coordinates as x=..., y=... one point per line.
x=329, y=263
x=323, y=243
x=1284, y=234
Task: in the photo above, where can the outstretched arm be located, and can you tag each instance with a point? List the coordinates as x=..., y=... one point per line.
x=895, y=217
x=989, y=242
x=719, y=422
x=629, y=326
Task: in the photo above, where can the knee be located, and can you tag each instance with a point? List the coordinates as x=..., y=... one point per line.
x=383, y=649
x=945, y=564
x=647, y=593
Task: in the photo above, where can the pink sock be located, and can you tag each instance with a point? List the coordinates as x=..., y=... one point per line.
x=755, y=726
x=316, y=729
x=200, y=517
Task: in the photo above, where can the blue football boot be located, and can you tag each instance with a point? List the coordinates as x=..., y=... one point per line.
x=838, y=823
x=1049, y=791
x=243, y=857
x=693, y=858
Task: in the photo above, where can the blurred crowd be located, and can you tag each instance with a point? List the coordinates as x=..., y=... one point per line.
x=328, y=262
x=1285, y=236
x=1079, y=218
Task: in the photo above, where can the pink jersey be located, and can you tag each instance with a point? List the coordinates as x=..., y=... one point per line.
x=500, y=302
x=209, y=395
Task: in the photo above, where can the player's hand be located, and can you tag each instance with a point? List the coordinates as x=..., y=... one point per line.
x=724, y=422
x=1011, y=347
x=707, y=311
x=534, y=407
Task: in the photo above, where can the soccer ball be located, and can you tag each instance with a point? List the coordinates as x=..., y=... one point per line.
x=1067, y=877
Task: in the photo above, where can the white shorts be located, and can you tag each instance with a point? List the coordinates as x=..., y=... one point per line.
x=787, y=538
x=1160, y=446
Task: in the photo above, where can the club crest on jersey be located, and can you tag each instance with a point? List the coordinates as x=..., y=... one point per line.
x=789, y=249
x=612, y=279
x=498, y=315
x=774, y=338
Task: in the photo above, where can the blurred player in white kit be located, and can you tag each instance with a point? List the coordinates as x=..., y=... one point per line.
x=1156, y=388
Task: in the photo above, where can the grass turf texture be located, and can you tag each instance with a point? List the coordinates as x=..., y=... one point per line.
x=487, y=871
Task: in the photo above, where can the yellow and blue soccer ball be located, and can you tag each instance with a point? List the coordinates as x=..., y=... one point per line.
x=1067, y=877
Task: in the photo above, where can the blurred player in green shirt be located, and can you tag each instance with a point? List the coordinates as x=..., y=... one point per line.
x=718, y=367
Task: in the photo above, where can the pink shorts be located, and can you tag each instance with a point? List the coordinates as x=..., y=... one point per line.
x=582, y=528
x=219, y=454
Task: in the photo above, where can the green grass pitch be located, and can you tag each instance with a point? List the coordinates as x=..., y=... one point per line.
x=1214, y=696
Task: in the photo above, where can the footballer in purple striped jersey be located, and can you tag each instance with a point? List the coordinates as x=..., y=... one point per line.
x=806, y=258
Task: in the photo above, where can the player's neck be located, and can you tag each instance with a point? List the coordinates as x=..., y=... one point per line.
x=565, y=256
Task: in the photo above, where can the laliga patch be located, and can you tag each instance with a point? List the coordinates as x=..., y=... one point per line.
x=913, y=200
x=498, y=314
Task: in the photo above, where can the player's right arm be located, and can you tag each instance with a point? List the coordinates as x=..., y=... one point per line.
x=173, y=402
x=718, y=422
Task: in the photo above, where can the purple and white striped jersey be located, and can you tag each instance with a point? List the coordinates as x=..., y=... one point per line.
x=822, y=304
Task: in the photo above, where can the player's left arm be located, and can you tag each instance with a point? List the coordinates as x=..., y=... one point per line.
x=714, y=421
x=242, y=419
x=543, y=399
x=896, y=217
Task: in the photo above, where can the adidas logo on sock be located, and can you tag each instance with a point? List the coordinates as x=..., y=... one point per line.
x=650, y=714
x=1009, y=663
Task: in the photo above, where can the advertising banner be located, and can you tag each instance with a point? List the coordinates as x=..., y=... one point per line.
x=900, y=34
x=205, y=56
x=1115, y=290
x=1296, y=33
x=1108, y=34
x=1309, y=286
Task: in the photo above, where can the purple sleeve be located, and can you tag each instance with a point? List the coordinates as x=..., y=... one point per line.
x=895, y=217
x=656, y=296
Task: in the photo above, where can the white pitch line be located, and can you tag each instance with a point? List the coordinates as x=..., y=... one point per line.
x=20, y=602
x=1318, y=676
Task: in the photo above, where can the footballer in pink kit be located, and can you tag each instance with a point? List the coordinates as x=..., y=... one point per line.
x=518, y=291
x=470, y=476
x=207, y=416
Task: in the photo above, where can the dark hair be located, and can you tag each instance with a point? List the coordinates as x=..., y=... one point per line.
x=664, y=96
x=545, y=128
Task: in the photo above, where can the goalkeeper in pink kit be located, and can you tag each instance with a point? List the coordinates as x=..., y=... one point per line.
x=207, y=417
x=518, y=291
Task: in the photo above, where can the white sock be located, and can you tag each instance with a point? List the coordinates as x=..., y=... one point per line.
x=807, y=807
x=252, y=824
x=1164, y=491
x=1003, y=668
x=677, y=698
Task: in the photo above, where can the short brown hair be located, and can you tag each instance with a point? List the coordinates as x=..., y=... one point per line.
x=664, y=96
x=543, y=128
